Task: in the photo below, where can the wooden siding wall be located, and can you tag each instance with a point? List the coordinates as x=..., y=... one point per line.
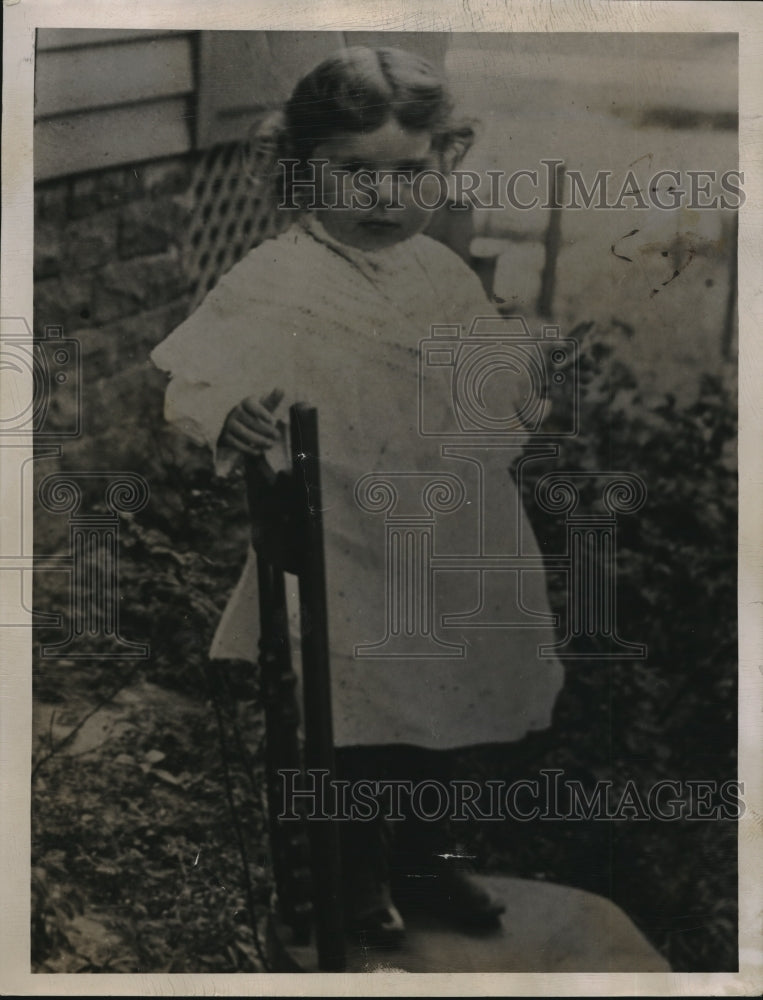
x=109, y=97
x=104, y=98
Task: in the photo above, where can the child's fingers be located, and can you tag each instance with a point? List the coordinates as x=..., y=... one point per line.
x=273, y=398
x=254, y=436
x=256, y=408
x=263, y=407
x=246, y=440
x=258, y=420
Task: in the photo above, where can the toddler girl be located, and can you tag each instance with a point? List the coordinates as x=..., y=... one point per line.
x=332, y=312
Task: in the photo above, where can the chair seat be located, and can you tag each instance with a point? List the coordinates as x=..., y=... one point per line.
x=546, y=928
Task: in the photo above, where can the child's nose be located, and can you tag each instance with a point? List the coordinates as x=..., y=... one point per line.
x=387, y=186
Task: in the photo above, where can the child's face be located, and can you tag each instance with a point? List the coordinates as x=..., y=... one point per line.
x=389, y=148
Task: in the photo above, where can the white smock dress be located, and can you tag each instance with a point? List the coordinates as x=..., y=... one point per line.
x=340, y=328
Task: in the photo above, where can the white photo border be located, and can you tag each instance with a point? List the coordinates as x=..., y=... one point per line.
x=21, y=19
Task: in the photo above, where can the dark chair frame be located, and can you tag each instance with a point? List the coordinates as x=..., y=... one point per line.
x=287, y=534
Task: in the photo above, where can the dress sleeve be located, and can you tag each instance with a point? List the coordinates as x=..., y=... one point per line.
x=231, y=347
x=200, y=410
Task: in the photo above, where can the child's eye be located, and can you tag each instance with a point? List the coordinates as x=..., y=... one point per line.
x=412, y=169
x=404, y=173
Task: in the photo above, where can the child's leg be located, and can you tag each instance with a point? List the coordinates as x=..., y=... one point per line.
x=366, y=850
x=419, y=858
x=414, y=841
x=431, y=866
x=423, y=837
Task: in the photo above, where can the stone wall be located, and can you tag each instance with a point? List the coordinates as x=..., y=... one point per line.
x=109, y=270
x=108, y=260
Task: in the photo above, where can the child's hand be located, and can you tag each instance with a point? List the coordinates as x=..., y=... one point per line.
x=250, y=427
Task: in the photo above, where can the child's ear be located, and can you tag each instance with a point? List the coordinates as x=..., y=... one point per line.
x=454, y=145
x=265, y=144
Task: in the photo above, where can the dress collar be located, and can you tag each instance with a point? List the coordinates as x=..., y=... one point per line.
x=375, y=260
x=396, y=272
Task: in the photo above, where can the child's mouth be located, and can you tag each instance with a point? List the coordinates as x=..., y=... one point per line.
x=380, y=224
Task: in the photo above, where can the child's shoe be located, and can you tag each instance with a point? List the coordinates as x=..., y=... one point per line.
x=468, y=902
x=368, y=900
x=377, y=919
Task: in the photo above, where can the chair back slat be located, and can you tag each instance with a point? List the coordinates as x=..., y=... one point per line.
x=287, y=533
x=290, y=850
x=316, y=680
